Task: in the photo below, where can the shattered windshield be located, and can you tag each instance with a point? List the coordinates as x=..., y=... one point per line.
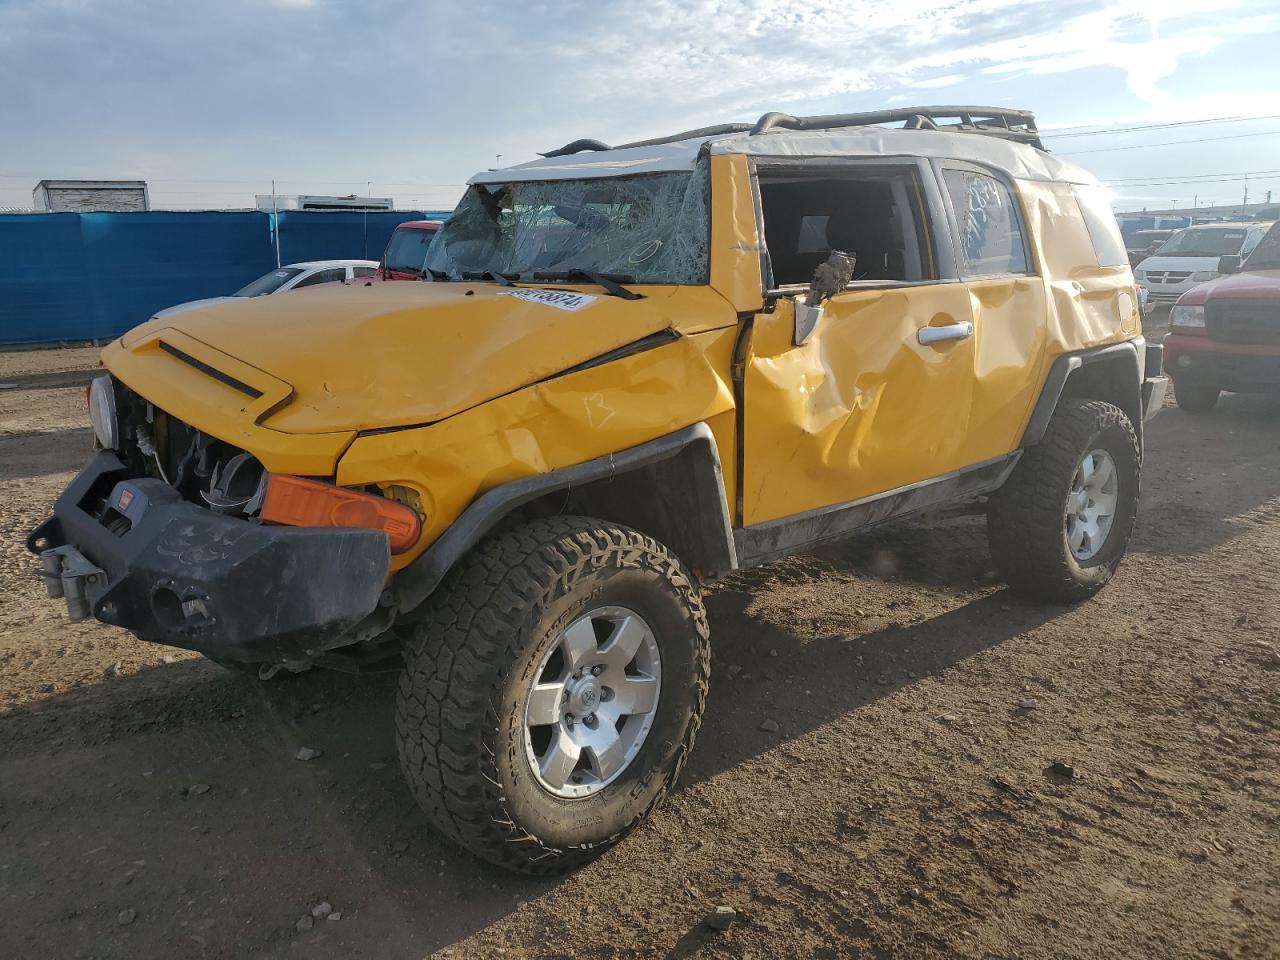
x=653, y=228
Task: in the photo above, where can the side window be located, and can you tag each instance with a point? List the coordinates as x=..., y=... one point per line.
x=870, y=211
x=991, y=239
x=321, y=276
x=1095, y=208
x=361, y=272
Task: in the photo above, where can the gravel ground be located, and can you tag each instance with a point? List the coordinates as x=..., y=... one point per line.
x=956, y=772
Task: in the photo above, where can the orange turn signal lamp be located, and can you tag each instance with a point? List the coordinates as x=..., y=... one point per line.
x=298, y=502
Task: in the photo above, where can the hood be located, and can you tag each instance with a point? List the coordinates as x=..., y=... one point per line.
x=1179, y=264
x=1250, y=285
x=190, y=305
x=364, y=357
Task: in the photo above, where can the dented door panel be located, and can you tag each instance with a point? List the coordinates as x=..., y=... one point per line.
x=863, y=406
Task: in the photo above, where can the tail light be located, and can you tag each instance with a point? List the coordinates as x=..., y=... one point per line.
x=297, y=502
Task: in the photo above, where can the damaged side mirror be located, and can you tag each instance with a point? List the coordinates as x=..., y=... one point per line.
x=829, y=278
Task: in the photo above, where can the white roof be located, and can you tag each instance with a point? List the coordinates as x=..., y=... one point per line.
x=1017, y=159
x=321, y=264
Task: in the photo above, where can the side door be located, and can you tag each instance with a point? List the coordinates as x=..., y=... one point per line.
x=879, y=393
x=1008, y=303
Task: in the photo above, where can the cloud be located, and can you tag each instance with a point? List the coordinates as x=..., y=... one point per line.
x=416, y=94
x=946, y=80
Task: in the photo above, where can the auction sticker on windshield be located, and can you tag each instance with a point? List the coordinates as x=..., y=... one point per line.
x=560, y=299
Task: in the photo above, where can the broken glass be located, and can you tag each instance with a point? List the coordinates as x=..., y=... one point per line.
x=653, y=228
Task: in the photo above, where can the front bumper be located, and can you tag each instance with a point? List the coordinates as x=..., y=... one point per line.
x=1240, y=368
x=1154, y=383
x=132, y=553
x=1167, y=294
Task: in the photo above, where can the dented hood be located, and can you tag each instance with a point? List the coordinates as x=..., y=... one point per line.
x=393, y=354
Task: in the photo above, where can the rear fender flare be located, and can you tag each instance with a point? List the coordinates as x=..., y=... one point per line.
x=1121, y=366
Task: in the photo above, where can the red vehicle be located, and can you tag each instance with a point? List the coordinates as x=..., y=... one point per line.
x=1225, y=334
x=407, y=250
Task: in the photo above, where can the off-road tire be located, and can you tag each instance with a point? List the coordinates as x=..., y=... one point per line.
x=1195, y=397
x=471, y=657
x=1026, y=516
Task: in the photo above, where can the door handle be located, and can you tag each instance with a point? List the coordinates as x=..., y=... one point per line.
x=954, y=331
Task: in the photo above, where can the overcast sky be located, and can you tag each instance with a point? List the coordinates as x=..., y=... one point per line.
x=210, y=101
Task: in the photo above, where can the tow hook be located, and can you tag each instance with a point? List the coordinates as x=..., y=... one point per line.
x=69, y=575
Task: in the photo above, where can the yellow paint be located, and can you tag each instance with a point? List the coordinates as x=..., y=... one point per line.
x=450, y=389
x=863, y=408
x=736, y=244
x=549, y=425
x=218, y=409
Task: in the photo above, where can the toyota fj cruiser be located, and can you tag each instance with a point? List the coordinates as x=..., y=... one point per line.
x=636, y=369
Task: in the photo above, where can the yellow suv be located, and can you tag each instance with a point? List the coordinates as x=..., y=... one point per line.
x=628, y=371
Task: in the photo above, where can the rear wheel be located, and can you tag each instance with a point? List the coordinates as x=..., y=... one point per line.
x=1195, y=397
x=552, y=691
x=1060, y=525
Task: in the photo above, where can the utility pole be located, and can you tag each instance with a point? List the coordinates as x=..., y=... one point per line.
x=275, y=223
x=1246, y=191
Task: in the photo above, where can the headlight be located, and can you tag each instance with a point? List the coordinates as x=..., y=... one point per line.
x=1204, y=275
x=102, y=412
x=1183, y=316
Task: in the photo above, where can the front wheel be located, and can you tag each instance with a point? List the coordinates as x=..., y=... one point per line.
x=1195, y=397
x=1060, y=525
x=552, y=691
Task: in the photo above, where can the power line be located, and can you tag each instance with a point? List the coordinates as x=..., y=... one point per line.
x=1155, y=126
x=1194, y=176
x=1193, y=183
x=1171, y=143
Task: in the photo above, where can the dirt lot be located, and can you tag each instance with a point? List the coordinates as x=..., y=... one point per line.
x=151, y=805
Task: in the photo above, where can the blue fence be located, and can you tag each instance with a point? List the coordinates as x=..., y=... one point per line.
x=91, y=276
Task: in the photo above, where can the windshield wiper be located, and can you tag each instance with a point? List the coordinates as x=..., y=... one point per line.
x=612, y=282
x=426, y=272
x=493, y=275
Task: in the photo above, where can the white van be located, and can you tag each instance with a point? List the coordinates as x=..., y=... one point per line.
x=1191, y=256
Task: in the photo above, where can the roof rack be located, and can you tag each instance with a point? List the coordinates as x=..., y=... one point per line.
x=1016, y=125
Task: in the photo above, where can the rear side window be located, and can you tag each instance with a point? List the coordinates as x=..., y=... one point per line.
x=364, y=271
x=1095, y=208
x=991, y=239
x=322, y=276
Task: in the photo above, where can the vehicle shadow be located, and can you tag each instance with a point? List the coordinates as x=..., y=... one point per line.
x=104, y=775
x=806, y=675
